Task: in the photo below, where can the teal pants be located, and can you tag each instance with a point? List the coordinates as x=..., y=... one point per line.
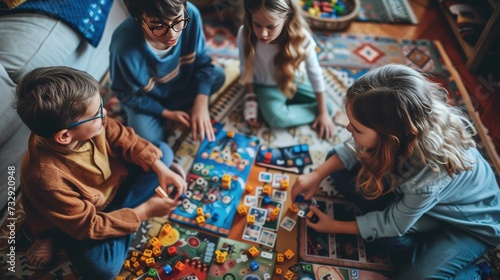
x=280, y=112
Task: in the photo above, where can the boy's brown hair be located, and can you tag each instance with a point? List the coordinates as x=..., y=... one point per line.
x=159, y=9
x=49, y=99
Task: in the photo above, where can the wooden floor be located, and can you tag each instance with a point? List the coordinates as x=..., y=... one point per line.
x=483, y=93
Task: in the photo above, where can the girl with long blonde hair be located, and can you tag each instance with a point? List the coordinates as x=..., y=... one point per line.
x=276, y=52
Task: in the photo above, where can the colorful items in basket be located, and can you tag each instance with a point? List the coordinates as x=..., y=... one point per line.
x=324, y=8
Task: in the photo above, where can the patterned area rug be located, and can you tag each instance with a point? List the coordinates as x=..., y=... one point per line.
x=344, y=58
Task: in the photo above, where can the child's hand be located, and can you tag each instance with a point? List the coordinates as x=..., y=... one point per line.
x=323, y=124
x=324, y=222
x=156, y=207
x=200, y=121
x=177, y=116
x=306, y=185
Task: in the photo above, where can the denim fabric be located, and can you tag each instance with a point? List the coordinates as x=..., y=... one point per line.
x=152, y=127
x=103, y=259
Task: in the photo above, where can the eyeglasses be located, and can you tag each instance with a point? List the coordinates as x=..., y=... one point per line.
x=99, y=116
x=162, y=29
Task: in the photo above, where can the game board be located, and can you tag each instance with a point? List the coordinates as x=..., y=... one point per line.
x=237, y=263
x=181, y=253
x=310, y=271
x=291, y=159
x=340, y=249
x=216, y=181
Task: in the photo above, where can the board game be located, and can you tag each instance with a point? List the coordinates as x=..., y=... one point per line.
x=340, y=249
x=216, y=181
x=309, y=271
x=181, y=253
x=291, y=159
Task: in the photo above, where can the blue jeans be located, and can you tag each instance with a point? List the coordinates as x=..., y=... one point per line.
x=103, y=259
x=443, y=253
x=152, y=127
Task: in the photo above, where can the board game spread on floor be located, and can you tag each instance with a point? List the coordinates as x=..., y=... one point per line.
x=235, y=222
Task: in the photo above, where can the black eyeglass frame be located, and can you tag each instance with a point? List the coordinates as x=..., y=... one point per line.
x=186, y=20
x=99, y=116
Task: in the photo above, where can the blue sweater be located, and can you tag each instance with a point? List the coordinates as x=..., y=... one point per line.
x=146, y=83
x=469, y=201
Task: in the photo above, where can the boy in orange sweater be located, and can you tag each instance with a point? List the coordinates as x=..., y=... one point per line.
x=87, y=181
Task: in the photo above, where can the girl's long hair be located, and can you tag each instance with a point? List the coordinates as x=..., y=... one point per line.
x=415, y=124
x=290, y=41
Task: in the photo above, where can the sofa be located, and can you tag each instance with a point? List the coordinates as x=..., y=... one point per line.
x=31, y=39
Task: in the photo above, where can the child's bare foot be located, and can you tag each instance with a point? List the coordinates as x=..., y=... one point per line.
x=40, y=253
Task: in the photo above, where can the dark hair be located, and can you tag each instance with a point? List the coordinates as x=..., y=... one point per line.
x=159, y=9
x=49, y=99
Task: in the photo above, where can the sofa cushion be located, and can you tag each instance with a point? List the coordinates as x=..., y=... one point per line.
x=9, y=120
x=87, y=17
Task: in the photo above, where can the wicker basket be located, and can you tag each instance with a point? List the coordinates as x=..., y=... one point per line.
x=334, y=23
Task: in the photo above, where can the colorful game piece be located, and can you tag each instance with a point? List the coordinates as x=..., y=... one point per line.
x=126, y=264
x=166, y=229
x=254, y=265
x=242, y=210
x=278, y=271
x=156, y=251
x=150, y=261
x=253, y=251
x=289, y=254
x=289, y=275
x=147, y=253
x=167, y=269
x=155, y=242
x=294, y=208
x=179, y=266
x=172, y=250
x=139, y=272
x=220, y=257
x=291, y=159
x=280, y=258
x=250, y=219
x=228, y=159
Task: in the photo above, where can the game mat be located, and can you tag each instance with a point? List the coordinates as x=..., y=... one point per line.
x=340, y=249
x=309, y=271
x=229, y=158
x=170, y=251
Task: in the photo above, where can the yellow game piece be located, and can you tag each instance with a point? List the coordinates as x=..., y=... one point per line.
x=120, y=278
x=155, y=242
x=242, y=210
x=136, y=265
x=199, y=211
x=150, y=262
x=273, y=215
x=139, y=272
x=133, y=259
x=156, y=251
x=289, y=275
x=289, y=254
x=251, y=219
x=267, y=190
x=200, y=220
x=278, y=271
x=166, y=229
x=284, y=184
x=220, y=257
x=310, y=214
x=226, y=181
x=280, y=258
x=135, y=254
x=126, y=264
x=249, y=188
x=147, y=253
x=294, y=208
x=253, y=251
x=230, y=134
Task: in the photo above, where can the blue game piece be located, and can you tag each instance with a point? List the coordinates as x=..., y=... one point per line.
x=296, y=149
x=299, y=162
x=304, y=148
x=266, y=199
x=299, y=198
x=183, y=196
x=215, y=217
x=254, y=265
x=167, y=269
